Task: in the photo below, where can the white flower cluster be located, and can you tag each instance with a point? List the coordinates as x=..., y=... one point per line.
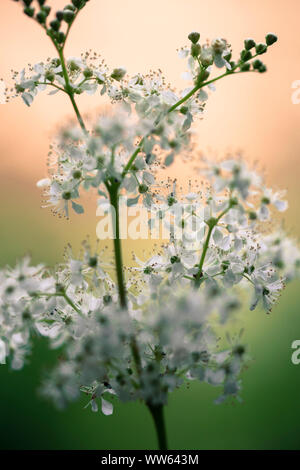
x=77, y=308
x=79, y=160
x=219, y=237
x=165, y=335
x=143, y=336
x=86, y=74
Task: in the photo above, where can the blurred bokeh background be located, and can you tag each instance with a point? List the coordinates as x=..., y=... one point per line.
x=252, y=113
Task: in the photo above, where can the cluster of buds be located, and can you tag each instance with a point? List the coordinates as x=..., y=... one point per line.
x=218, y=52
x=53, y=28
x=260, y=48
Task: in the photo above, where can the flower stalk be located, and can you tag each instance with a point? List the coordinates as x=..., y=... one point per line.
x=69, y=90
x=157, y=413
x=113, y=190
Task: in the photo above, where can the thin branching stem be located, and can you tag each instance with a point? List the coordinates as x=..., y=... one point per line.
x=206, y=246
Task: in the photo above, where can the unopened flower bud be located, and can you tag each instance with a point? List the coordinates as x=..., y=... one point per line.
x=118, y=74
x=261, y=48
x=262, y=68
x=271, y=38
x=78, y=3
x=194, y=37
x=257, y=64
x=41, y=17
x=88, y=73
x=29, y=11
x=70, y=7
x=228, y=56
x=55, y=25
x=60, y=15
x=68, y=16
x=60, y=37
x=219, y=45
x=245, y=67
x=203, y=75
x=46, y=9
x=246, y=55
x=49, y=76
x=73, y=66
x=249, y=44
x=195, y=50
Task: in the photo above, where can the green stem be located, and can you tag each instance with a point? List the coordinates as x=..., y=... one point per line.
x=203, y=254
x=185, y=98
x=157, y=413
x=136, y=356
x=248, y=278
x=71, y=303
x=113, y=190
x=80, y=120
x=51, y=84
x=68, y=29
x=198, y=87
x=60, y=294
x=69, y=89
x=133, y=157
x=206, y=245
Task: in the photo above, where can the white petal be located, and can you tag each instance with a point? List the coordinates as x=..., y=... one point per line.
x=94, y=406
x=217, y=236
x=2, y=352
x=281, y=205
x=106, y=407
x=43, y=182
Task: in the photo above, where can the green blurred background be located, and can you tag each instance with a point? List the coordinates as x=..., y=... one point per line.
x=260, y=118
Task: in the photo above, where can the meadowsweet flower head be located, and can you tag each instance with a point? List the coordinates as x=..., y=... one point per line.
x=140, y=333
